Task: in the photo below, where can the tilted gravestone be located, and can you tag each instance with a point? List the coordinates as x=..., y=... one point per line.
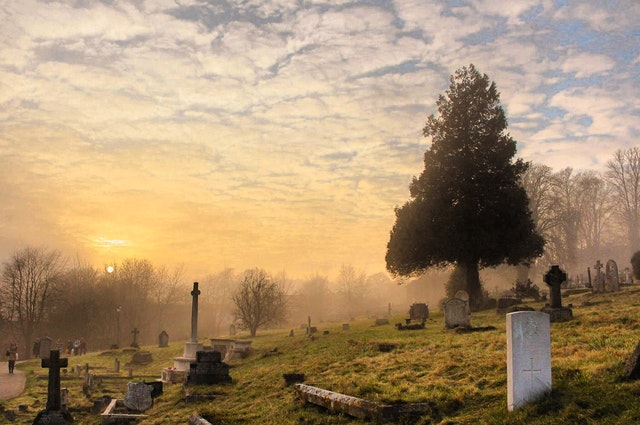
x=632, y=367
x=138, y=396
x=528, y=357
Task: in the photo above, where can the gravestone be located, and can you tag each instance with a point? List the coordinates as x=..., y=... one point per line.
x=462, y=295
x=555, y=277
x=53, y=413
x=456, y=314
x=208, y=369
x=135, y=333
x=528, y=357
x=505, y=302
x=163, y=339
x=232, y=329
x=598, y=285
x=612, y=280
x=419, y=311
x=632, y=367
x=44, y=348
x=138, y=396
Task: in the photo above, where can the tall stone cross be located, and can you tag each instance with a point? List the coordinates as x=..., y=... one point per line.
x=554, y=278
x=54, y=363
x=194, y=312
x=135, y=333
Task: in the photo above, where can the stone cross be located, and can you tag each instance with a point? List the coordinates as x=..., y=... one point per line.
x=599, y=279
x=135, y=333
x=194, y=312
x=554, y=278
x=54, y=363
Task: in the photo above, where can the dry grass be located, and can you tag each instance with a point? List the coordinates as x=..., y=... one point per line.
x=461, y=377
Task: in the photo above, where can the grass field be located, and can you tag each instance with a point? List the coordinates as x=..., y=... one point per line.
x=462, y=377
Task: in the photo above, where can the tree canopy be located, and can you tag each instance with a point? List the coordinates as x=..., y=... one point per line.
x=468, y=207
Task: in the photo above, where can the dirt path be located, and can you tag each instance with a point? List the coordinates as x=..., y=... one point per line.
x=11, y=385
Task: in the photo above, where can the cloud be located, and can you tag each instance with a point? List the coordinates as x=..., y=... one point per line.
x=279, y=134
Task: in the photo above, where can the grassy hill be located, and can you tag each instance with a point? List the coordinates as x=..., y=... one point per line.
x=462, y=377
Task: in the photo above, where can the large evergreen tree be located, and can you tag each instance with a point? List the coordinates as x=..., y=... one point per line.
x=468, y=207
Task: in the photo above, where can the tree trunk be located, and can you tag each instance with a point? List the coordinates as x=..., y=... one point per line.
x=472, y=277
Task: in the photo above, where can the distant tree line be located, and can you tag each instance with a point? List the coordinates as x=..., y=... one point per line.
x=43, y=295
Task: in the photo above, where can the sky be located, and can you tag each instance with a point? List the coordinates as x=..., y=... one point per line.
x=278, y=134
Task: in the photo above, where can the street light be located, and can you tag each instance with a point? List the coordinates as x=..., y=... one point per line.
x=118, y=310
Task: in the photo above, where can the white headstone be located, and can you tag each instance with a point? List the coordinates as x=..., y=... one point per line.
x=528, y=357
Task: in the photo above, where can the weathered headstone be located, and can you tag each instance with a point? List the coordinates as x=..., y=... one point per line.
x=555, y=277
x=462, y=295
x=456, y=314
x=528, y=357
x=138, y=396
x=232, y=329
x=419, y=311
x=53, y=414
x=598, y=285
x=612, y=279
x=163, y=339
x=44, y=348
x=135, y=333
x=632, y=367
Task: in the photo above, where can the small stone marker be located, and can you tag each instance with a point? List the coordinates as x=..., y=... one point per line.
x=135, y=333
x=528, y=357
x=163, y=339
x=138, y=396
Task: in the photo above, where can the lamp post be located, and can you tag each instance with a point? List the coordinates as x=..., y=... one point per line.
x=118, y=310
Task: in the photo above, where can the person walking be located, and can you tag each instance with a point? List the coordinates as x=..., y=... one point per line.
x=12, y=355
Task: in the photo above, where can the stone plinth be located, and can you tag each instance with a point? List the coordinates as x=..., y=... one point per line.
x=208, y=369
x=240, y=349
x=558, y=314
x=222, y=345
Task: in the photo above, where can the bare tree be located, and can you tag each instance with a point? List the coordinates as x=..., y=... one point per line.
x=260, y=301
x=595, y=206
x=313, y=294
x=351, y=286
x=563, y=241
x=27, y=282
x=623, y=173
x=165, y=291
x=217, y=290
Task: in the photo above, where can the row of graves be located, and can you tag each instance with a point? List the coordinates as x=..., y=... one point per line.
x=199, y=365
